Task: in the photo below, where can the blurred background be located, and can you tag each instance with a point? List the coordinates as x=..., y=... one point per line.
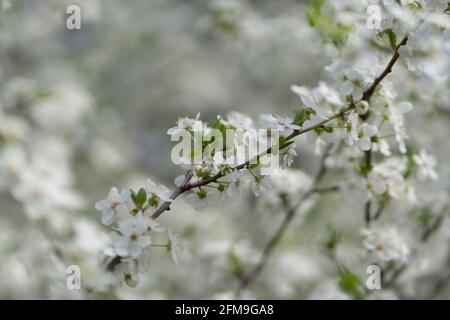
x=84, y=110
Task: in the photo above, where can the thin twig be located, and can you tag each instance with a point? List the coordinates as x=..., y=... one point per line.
x=431, y=229
x=379, y=212
x=278, y=235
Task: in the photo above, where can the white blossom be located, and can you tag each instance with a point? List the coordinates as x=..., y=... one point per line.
x=133, y=238
x=426, y=164
x=115, y=206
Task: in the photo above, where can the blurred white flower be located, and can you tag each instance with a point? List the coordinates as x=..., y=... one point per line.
x=426, y=164
x=157, y=192
x=134, y=238
x=387, y=243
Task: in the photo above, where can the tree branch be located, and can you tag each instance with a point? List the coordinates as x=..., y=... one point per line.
x=366, y=97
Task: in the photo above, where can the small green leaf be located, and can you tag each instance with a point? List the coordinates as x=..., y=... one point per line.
x=140, y=198
x=201, y=194
x=410, y=164
x=283, y=143
x=391, y=36
x=364, y=170
x=133, y=196
x=235, y=264
x=322, y=17
x=303, y=115
x=218, y=124
x=333, y=238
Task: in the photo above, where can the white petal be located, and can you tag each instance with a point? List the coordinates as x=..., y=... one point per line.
x=101, y=205
x=108, y=216
x=364, y=144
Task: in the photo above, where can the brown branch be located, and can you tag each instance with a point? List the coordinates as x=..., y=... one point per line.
x=166, y=205
x=294, y=134
x=431, y=229
x=370, y=91
x=366, y=97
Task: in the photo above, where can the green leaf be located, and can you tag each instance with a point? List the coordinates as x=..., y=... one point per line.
x=303, y=115
x=351, y=284
x=313, y=11
x=391, y=36
x=410, y=164
x=140, y=198
x=283, y=143
x=322, y=17
x=201, y=194
x=218, y=124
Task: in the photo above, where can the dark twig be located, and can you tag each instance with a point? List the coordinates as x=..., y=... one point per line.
x=366, y=97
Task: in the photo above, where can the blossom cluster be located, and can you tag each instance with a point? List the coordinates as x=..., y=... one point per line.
x=128, y=213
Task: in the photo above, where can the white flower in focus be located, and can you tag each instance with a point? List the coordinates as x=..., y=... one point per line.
x=238, y=120
x=323, y=91
x=238, y=182
x=183, y=124
x=361, y=135
x=269, y=121
x=322, y=99
x=134, y=238
x=117, y=204
x=157, y=192
x=426, y=164
x=386, y=243
x=356, y=82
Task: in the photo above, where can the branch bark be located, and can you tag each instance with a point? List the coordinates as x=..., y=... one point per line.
x=367, y=95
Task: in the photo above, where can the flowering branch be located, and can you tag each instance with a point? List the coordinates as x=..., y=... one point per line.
x=186, y=185
x=366, y=97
